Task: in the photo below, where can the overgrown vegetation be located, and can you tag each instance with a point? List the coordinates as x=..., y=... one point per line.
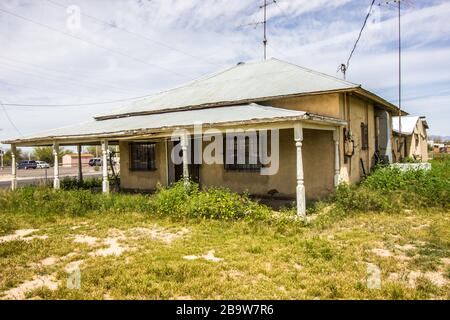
x=178, y=201
x=325, y=258
x=391, y=189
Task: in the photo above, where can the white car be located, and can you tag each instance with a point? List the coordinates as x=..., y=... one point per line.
x=42, y=165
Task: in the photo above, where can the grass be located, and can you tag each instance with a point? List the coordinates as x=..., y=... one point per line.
x=264, y=256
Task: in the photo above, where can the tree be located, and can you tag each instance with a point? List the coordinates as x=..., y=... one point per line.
x=94, y=150
x=7, y=156
x=46, y=154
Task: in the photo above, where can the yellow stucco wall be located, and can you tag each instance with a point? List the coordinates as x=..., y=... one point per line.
x=318, y=169
x=361, y=111
x=323, y=104
x=142, y=180
x=318, y=163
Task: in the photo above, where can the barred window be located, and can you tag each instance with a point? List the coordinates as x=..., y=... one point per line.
x=242, y=153
x=142, y=156
x=364, y=136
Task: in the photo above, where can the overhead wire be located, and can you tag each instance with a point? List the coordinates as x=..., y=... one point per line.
x=112, y=25
x=92, y=43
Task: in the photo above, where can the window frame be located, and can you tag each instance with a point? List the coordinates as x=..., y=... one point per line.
x=245, y=167
x=364, y=136
x=151, y=156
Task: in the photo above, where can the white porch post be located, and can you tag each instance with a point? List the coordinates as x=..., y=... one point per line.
x=80, y=170
x=56, y=184
x=184, y=148
x=105, y=182
x=337, y=165
x=13, y=167
x=301, y=199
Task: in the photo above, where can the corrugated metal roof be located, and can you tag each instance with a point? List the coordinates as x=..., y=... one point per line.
x=220, y=115
x=408, y=124
x=243, y=82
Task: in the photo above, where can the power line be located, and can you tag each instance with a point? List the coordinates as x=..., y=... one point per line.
x=90, y=42
x=86, y=78
x=111, y=25
x=344, y=67
x=52, y=78
x=9, y=119
x=75, y=105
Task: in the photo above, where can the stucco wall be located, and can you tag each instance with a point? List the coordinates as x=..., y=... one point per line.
x=318, y=163
x=361, y=111
x=142, y=180
x=323, y=104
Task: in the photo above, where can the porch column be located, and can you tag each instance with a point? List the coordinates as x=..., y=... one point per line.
x=13, y=168
x=56, y=184
x=337, y=165
x=80, y=169
x=105, y=182
x=301, y=199
x=184, y=148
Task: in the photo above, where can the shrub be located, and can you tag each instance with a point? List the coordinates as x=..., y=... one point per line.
x=72, y=183
x=391, y=189
x=182, y=200
x=219, y=203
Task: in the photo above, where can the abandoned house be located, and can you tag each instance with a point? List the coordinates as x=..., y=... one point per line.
x=329, y=130
x=410, y=136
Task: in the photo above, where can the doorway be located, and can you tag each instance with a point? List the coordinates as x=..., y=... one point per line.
x=177, y=169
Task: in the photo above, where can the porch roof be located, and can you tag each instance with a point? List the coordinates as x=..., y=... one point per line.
x=118, y=128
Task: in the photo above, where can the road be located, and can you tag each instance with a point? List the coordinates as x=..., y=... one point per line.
x=37, y=176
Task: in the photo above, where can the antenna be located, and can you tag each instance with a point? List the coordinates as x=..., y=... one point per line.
x=398, y=7
x=264, y=23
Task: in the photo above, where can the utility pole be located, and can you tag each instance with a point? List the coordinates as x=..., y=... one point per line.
x=399, y=70
x=265, y=27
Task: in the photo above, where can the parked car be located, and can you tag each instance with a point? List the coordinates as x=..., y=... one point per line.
x=42, y=165
x=27, y=164
x=95, y=162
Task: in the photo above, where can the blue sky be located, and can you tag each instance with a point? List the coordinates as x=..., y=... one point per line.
x=174, y=41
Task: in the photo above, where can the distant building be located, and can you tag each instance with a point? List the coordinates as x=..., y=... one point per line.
x=412, y=139
x=71, y=160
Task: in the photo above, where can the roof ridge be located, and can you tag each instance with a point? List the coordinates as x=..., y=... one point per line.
x=317, y=72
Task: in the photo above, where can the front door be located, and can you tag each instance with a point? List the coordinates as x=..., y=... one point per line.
x=194, y=169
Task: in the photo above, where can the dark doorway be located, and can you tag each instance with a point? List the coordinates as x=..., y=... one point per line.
x=194, y=169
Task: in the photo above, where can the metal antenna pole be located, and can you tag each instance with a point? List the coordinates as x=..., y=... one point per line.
x=265, y=22
x=399, y=71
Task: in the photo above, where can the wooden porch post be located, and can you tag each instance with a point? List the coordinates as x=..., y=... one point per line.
x=56, y=183
x=337, y=166
x=301, y=199
x=80, y=170
x=184, y=148
x=13, y=167
x=105, y=182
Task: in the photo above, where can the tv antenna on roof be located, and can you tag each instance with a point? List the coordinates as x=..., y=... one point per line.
x=264, y=23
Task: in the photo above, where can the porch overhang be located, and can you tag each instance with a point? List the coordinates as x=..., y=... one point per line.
x=163, y=124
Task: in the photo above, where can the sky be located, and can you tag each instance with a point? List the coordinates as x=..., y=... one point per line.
x=59, y=52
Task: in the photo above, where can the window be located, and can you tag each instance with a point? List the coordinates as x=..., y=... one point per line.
x=142, y=156
x=241, y=153
x=364, y=136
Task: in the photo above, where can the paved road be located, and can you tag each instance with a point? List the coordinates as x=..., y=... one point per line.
x=38, y=176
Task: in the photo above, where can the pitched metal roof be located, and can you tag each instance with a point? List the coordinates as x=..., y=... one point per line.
x=169, y=120
x=408, y=124
x=243, y=83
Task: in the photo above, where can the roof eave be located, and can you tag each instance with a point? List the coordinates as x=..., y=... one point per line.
x=118, y=135
x=382, y=102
